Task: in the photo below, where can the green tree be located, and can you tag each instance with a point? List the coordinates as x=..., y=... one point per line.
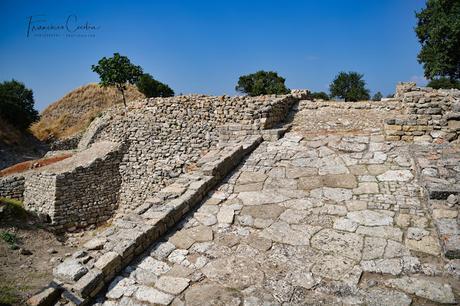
x=319, y=95
x=153, y=88
x=17, y=104
x=443, y=82
x=349, y=86
x=262, y=83
x=378, y=96
x=117, y=71
x=438, y=30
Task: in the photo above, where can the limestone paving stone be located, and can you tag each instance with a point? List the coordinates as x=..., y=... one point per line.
x=172, y=285
x=153, y=296
x=369, y=218
x=341, y=243
x=429, y=289
x=70, y=270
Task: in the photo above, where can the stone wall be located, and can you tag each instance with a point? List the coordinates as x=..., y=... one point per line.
x=65, y=144
x=429, y=115
x=82, y=276
x=12, y=187
x=166, y=136
x=77, y=191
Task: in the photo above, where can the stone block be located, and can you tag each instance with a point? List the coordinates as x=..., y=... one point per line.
x=109, y=263
x=90, y=281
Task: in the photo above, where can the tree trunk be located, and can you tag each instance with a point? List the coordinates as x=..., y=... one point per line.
x=123, y=94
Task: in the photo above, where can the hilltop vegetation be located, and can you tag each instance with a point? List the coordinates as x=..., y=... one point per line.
x=74, y=112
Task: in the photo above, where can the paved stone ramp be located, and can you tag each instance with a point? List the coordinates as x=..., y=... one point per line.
x=310, y=219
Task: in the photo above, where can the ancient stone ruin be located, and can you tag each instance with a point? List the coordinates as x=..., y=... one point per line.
x=259, y=201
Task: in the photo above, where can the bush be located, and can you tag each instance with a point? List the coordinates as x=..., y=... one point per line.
x=152, y=88
x=444, y=83
x=262, y=83
x=349, y=86
x=319, y=96
x=377, y=97
x=10, y=238
x=17, y=104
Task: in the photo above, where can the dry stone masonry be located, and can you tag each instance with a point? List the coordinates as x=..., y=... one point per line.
x=12, y=187
x=79, y=191
x=166, y=136
x=430, y=114
x=219, y=204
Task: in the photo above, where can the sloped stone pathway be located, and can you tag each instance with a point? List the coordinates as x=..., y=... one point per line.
x=305, y=220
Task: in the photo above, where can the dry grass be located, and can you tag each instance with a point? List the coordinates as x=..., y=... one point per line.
x=32, y=164
x=75, y=111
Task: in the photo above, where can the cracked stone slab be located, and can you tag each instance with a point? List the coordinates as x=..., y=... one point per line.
x=382, y=266
x=386, y=297
x=153, y=296
x=172, y=285
x=345, y=244
x=284, y=233
x=234, y=272
x=333, y=194
x=370, y=218
x=261, y=197
x=333, y=266
x=70, y=270
x=426, y=288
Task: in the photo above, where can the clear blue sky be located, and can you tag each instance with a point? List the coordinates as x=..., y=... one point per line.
x=204, y=46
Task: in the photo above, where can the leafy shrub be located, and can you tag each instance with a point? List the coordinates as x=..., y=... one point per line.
x=17, y=104
x=262, y=83
x=152, y=88
x=377, y=97
x=9, y=238
x=319, y=95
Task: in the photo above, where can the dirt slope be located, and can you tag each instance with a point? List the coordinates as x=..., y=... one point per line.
x=74, y=112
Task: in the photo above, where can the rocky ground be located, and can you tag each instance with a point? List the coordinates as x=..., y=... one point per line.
x=28, y=253
x=314, y=218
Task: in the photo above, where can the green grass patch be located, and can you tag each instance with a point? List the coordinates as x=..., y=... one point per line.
x=10, y=238
x=9, y=295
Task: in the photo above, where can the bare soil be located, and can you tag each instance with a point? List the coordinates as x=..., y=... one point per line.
x=26, y=265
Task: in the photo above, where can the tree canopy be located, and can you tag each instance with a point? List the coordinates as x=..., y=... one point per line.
x=17, y=104
x=443, y=82
x=321, y=95
x=377, y=96
x=262, y=83
x=349, y=86
x=153, y=88
x=117, y=71
x=438, y=30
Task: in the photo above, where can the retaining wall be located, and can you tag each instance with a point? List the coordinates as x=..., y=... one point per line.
x=12, y=187
x=166, y=136
x=430, y=115
x=78, y=191
x=82, y=276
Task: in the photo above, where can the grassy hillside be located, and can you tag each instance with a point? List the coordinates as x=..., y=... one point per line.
x=74, y=112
